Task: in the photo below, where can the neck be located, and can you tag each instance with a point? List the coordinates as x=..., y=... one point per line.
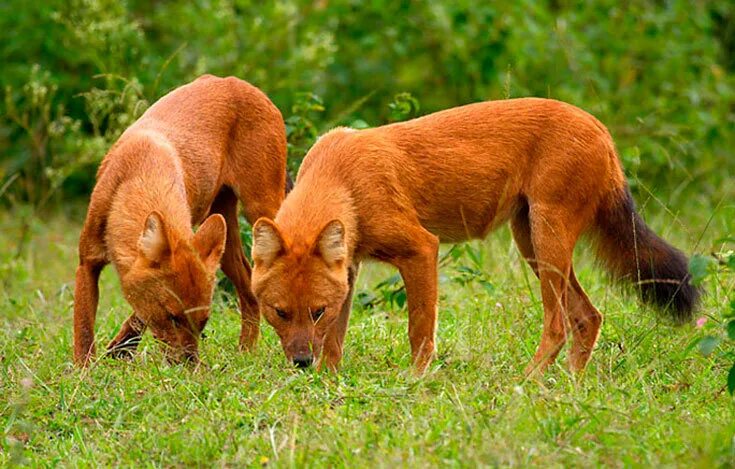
x=154, y=183
x=308, y=209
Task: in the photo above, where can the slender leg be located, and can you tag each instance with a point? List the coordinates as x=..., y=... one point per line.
x=127, y=339
x=236, y=268
x=586, y=321
x=584, y=317
x=420, y=275
x=335, y=336
x=553, y=243
x=552, y=287
x=86, y=296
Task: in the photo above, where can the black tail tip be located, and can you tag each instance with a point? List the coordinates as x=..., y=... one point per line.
x=677, y=299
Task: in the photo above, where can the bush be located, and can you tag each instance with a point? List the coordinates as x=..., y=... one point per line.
x=720, y=336
x=661, y=76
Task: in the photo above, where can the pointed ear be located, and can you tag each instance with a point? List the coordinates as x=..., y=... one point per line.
x=153, y=243
x=209, y=241
x=331, y=243
x=267, y=241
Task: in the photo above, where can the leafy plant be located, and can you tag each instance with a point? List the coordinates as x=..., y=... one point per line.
x=472, y=272
x=464, y=261
x=301, y=129
x=389, y=292
x=403, y=106
x=51, y=137
x=723, y=335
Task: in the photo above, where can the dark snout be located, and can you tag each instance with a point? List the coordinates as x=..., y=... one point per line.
x=299, y=349
x=303, y=360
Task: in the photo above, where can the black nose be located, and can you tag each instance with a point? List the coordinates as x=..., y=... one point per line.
x=303, y=361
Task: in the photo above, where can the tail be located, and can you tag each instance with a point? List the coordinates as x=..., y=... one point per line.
x=632, y=252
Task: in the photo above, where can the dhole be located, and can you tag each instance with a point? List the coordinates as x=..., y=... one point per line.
x=393, y=193
x=185, y=162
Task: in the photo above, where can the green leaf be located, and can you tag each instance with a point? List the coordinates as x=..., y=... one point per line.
x=456, y=252
x=731, y=329
x=489, y=288
x=708, y=344
x=387, y=295
x=359, y=124
x=699, y=267
x=474, y=256
x=400, y=298
x=390, y=281
x=403, y=106
x=366, y=299
x=468, y=270
x=731, y=380
x=726, y=239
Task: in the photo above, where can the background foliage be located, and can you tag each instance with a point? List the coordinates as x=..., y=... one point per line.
x=661, y=75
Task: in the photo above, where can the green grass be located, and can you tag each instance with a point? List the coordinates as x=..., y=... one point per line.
x=648, y=397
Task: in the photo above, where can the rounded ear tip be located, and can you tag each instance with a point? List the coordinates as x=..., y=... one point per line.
x=215, y=221
x=155, y=215
x=335, y=227
x=267, y=241
x=263, y=221
x=153, y=219
x=221, y=220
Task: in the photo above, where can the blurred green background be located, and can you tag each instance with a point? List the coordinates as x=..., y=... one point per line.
x=659, y=74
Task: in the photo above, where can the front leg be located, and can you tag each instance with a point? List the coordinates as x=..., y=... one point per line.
x=335, y=335
x=86, y=296
x=127, y=340
x=420, y=275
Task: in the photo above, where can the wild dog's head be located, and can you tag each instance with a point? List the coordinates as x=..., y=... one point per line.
x=171, y=282
x=300, y=285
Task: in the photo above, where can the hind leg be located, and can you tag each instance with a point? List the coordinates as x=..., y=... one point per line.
x=585, y=324
x=236, y=268
x=553, y=235
x=551, y=270
x=584, y=318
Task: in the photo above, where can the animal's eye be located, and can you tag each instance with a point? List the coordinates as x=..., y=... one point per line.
x=281, y=313
x=316, y=314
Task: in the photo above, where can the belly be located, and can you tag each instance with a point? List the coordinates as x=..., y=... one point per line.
x=461, y=222
x=468, y=206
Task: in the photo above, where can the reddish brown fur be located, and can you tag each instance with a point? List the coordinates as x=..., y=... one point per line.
x=398, y=191
x=185, y=162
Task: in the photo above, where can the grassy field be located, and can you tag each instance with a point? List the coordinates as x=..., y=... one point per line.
x=648, y=398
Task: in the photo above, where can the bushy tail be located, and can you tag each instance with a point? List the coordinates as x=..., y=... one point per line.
x=632, y=252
